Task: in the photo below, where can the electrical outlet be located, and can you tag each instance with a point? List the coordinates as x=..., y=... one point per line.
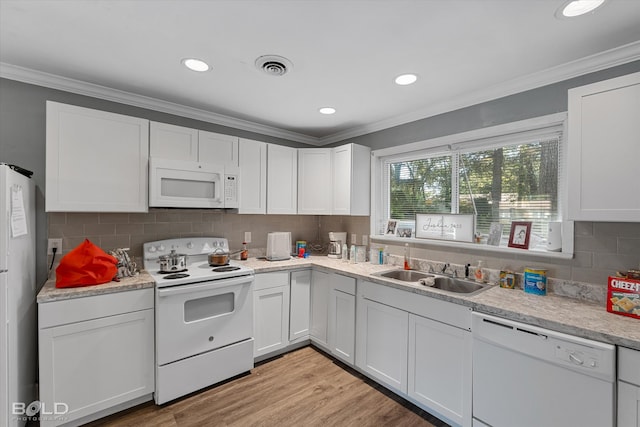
x=54, y=243
x=247, y=237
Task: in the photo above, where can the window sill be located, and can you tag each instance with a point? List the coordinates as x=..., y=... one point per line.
x=535, y=253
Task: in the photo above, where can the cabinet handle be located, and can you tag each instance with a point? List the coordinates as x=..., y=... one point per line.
x=575, y=359
x=210, y=338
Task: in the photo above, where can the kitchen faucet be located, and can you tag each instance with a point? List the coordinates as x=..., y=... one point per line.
x=444, y=268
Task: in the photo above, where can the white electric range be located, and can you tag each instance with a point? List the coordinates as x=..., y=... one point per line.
x=204, y=317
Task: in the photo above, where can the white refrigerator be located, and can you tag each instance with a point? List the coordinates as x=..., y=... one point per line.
x=18, y=329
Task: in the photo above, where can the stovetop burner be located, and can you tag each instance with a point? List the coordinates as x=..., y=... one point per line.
x=225, y=269
x=172, y=272
x=176, y=276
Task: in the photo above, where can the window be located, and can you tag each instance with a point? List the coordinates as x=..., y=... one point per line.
x=504, y=177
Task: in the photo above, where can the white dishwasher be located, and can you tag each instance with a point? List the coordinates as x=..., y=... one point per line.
x=528, y=376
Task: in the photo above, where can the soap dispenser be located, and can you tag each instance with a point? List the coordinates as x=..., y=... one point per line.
x=406, y=256
x=479, y=273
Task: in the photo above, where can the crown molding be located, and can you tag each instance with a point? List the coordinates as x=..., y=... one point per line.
x=607, y=59
x=26, y=75
x=600, y=61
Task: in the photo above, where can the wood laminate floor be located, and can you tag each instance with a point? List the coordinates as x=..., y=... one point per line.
x=301, y=388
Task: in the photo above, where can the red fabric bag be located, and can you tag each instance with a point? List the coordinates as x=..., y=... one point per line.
x=86, y=265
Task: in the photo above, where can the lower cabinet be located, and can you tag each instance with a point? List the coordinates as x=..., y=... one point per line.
x=341, y=332
x=381, y=349
x=96, y=355
x=271, y=312
x=319, y=308
x=300, y=305
x=628, y=387
x=440, y=367
x=418, y=346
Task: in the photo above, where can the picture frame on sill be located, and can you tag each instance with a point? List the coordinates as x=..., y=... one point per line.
x=495, y=234
x=404, y=232
x=520, y=234
x=392, y=224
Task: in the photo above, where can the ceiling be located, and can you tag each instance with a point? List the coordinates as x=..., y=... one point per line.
x=345, y=54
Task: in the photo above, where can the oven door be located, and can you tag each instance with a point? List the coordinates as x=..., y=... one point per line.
x=193, y=319
x=186, y=184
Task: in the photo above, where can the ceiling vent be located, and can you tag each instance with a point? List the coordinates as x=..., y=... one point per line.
x=273, y=65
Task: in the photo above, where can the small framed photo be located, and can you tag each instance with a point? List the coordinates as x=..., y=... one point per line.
x=404, y=232
x=520, y=233
x=392, y=224
x=495, y=234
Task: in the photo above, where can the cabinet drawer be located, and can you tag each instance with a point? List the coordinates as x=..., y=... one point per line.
x=94, y=307
x=629, y=365
x=270, y=280
x=344, y=284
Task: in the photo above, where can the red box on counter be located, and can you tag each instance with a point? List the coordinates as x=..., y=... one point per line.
x=623, y=297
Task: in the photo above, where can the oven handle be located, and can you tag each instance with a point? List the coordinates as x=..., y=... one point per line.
x=217, y=284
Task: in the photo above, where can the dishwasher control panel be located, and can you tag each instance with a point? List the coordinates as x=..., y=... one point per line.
x=577, y=356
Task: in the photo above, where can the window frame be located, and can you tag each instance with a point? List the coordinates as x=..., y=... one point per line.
x=500, y=135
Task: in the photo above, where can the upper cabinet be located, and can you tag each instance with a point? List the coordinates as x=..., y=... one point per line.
x=253, y=185
x=314, y=181
x=604, y=148
x=182, y=143
x=95, y=161
x=351, y=176
x=282, y=183
x=334, y=181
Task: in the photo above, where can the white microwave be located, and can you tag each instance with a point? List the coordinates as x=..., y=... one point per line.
x=189, y=184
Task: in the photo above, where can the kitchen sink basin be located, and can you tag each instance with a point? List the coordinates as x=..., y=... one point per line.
x=458, y=286
x=404, y=275
x=445, y=283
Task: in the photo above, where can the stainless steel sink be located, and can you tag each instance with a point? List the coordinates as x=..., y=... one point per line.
x=458, y=286
x=445, y=283
x=404, y=275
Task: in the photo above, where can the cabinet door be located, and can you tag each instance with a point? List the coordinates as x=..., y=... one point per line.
x=282, y=179
x=217, y=148
x=628, y=405
x=351, y=171
x=300, y=309
x=270, y=319
x=603, y=182
x=341, y=177
x=440, y=368
x=319, y=307
x=97, y=364
x=253, y=180
x=173, y=142
x=314, y=181
x=95, y=161
x=381, y=343
x=342, y=325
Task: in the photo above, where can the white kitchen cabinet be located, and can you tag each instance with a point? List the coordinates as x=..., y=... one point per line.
x=96, y=355
x=314, y=181
x=282, y=179
x=173, y=142
x=381, y=349
x=628, y=387
x=603, y=150
x=440, y=368
x=271, y=312
x=252, y=158
x=300, y=306
x=342, y=317
x=95, y=161
x=183, y=143
x=351, y=180
x=217, y=148
x=319, y=307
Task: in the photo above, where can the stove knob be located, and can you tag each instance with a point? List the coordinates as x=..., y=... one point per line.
x=152, y=249
x=161, y=247
x=190, y=245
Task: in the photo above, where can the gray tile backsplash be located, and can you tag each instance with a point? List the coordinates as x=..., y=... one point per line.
x=600, y=250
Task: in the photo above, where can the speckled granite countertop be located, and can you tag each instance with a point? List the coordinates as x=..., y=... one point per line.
x=558, y=313
x=50, y=293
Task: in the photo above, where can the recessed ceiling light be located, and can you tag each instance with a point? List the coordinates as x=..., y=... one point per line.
x=196, y=64
x=575, y=8
x=406, y=79
x=327, y=110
